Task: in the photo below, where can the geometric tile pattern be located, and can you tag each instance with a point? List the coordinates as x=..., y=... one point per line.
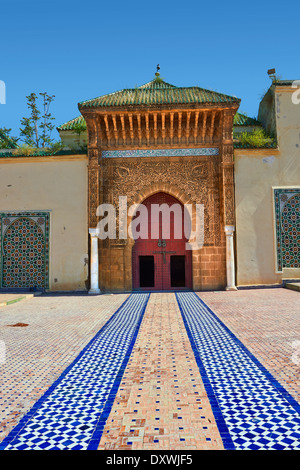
x=287, y=214
x=73, y=411
x=252, y=410
x=161, y=403
x=24, y=249
x=160, y=153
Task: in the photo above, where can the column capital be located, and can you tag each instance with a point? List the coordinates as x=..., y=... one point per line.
x=93, y=232
x=229, y=229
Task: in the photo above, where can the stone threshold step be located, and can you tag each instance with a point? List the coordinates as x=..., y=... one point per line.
x=11, y=298
x=293, y=285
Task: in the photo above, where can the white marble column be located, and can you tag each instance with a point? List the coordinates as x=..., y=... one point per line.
x=230, y=264
x=94, y=263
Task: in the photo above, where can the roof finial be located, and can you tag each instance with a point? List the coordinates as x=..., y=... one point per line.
x=157, y=70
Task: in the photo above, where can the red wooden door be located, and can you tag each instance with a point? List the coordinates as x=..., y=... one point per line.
x=161, y=261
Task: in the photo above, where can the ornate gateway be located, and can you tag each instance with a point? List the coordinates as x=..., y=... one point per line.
x=159, y=138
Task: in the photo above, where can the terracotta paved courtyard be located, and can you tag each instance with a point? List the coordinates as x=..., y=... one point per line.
x=161, y=400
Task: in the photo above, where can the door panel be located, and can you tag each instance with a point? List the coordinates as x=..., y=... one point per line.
x=163, y=249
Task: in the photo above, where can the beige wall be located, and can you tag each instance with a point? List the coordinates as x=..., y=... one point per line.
x=256, y=173
x=58, y=185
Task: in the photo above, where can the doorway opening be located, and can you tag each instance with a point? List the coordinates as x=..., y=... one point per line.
x=146, y=271
x=178, y=271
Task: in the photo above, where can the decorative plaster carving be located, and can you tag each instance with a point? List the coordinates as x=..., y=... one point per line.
x=197, y=178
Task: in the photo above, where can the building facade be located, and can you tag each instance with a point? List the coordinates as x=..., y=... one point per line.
x=157, y=146
x=267, y=185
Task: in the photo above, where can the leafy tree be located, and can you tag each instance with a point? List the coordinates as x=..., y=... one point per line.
x=37, y=128
x=6, y=140
x=30, y=125
x=46, y=126
x=78, y=129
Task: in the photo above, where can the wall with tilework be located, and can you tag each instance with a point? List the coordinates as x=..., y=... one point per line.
x=258, y=174
x=56, y=186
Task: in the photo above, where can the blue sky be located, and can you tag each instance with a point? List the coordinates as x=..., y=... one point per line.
x=79, y=50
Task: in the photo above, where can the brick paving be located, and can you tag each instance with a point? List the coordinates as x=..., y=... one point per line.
x=58, y=328
x=161, y=402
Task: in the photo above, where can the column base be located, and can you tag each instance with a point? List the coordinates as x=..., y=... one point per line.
x=94, y=292
x=231, y=288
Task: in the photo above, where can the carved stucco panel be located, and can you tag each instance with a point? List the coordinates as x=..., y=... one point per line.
x=197, y=178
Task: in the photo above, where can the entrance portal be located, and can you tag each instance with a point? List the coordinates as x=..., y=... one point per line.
x=160, y=260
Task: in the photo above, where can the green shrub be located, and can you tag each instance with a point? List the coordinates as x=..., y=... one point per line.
x=256, y=138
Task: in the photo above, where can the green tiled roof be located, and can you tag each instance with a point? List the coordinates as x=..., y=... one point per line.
x=284, y=82
x=243, y=120
x=157, y=83
x=10, y=144
x=69, y=126
x=159, y=92
x=40, y=153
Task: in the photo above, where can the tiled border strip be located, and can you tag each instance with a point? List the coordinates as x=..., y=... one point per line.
x=222, y=427
x=265, y=371
x=162, y=403
x=93, y=445
x=185, y=152
x=96, y=436
x=224, y=431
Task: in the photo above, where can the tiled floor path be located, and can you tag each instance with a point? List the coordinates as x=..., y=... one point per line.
x=267, y=321
x=161, y=402
x=256, y=411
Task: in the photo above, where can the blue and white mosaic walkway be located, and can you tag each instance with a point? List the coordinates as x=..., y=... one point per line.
x=252, y=410
x=72, y=413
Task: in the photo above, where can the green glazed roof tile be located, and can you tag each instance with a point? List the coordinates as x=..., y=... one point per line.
x=243, y=120
x=157, y=83
x=284, y=82
x=69, y=125
x=159, y=92
x=8, y=141
x=40, y=153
